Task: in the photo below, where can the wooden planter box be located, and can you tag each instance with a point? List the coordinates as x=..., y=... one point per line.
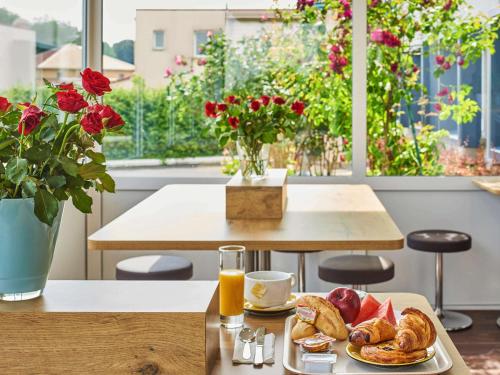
x=261, y=199
x=113, y=327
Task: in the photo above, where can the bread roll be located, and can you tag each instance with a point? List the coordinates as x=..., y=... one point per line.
x=328, y=321
x=302, y=329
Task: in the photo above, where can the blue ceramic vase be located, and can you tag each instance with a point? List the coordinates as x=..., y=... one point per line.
x=26, y=249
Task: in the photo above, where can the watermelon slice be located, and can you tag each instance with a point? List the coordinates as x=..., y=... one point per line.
x=385, y=311
x=369, y=306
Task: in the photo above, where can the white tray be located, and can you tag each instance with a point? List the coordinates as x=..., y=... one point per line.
x=347, y=366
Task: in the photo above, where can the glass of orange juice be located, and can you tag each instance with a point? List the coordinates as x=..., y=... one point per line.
x=231, y=285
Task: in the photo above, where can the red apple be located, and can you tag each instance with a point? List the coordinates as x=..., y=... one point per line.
x=347, y=301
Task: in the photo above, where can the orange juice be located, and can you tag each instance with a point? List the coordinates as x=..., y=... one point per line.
x=231, y=284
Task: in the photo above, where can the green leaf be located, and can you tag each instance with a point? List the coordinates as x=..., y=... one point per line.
x=29, y=188
x=56, y=181
x=96, y=156
x=46, y=206
x=81, y=201
x=91, y=171
x=107, y=183
x=7, y=143
x=16, y=170
x=61, y=194
x=70, y=166
x=39, y=152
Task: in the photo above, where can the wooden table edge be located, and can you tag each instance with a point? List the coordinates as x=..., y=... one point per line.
x=484, y=185
x=98, y=245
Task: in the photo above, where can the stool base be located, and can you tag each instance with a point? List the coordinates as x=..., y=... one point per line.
x=454, y=321
x=498, y=322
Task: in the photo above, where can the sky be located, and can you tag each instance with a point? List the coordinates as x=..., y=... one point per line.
x=119, y=15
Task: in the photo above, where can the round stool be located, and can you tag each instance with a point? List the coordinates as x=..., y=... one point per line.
x=154, y=267
x=439, y=242
x=356, y=270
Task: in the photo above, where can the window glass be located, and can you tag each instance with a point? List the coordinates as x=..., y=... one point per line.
x=158, y=39
x=429, y=74
x=300, y=51
x=38, y=41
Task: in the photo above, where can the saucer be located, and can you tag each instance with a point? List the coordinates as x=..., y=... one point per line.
x=289, y=305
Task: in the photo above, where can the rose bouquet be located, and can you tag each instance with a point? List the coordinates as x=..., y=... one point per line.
x=254, y=124
x=46, y=151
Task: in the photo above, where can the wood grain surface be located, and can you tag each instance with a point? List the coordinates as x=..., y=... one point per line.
x=257, y=199
x=114, y=328
x=276, y=325
x=192, y=217
x=489, y=184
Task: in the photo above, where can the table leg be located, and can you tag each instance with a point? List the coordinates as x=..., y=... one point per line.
x=301, y=277
x=264, y=260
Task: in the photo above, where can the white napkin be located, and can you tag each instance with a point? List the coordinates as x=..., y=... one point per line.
x=268, y=350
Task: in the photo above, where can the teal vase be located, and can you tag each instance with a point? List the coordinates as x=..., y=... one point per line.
x=26, y=249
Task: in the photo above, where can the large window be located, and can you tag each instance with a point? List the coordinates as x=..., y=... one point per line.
x=225, y=50
x=38, y=41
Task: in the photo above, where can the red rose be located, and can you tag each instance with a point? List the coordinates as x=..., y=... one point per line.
x=92, y=122
x=394, y=67
x=443, y=92
x=446, y=65
x=30, y=119
x=110, y=118
x=391, y=40
x=265, y=100
x=460, y=61
x=438, y=107
x=439, y=59
x=94, y=82
x=70, y=101
x=4, y=104
x=255, y=105
x=211, y=109
x=278, y=100
x=66, y=86
x=221, y=107
x=231, y=99
x=298, y=107
x=415, y=69
x=448, y=5
x=233, y=122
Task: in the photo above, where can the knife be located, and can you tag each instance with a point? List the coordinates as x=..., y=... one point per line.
x=259, y=349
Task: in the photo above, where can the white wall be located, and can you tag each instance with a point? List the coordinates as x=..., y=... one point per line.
x=17, y=57
x=472, y=279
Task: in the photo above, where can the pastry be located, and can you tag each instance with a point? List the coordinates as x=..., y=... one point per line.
x=389, y=353
x=302, y=329
x=328, y=319
x=372, y=331
x=415, y=331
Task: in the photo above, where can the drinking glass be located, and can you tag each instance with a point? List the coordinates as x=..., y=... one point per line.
x=231, y=285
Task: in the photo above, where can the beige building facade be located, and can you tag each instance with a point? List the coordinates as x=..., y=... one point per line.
x=161, y=35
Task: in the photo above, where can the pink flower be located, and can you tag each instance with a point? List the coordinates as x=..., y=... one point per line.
x=302, y=4
x=443, y=92
x=202, y=61
x=439, y=59
x=347, y=14
x=209, y=34
x=264, y=18
x=178, y=60
x=438, y=107
x=335, y=48
x=377, y=36
x=446, y=65
x=168, y=72
x=374, y=3
x=391, y=40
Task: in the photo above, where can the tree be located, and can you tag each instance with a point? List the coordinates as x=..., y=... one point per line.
x=108, y=50
x=7, y=17
x=56, y=33
x=124, y=50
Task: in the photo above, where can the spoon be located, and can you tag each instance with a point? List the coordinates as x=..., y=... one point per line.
x=247, y=335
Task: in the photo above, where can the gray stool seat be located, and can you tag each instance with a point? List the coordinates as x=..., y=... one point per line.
x=356, y=269
x=154, y=267
x=441, y=241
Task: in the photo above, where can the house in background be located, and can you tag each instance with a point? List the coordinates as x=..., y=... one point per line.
x=163, y=34
x=17, y=60
x=65, y=63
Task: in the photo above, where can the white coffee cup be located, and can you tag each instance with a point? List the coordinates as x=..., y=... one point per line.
x=268, y=288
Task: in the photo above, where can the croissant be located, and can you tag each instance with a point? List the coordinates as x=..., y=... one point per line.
x=415, y=331
x=372, y=331
x=328, y=321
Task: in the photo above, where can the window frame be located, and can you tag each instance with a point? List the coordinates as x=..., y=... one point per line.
x=359, y=131
x=155, y=39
